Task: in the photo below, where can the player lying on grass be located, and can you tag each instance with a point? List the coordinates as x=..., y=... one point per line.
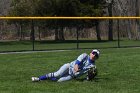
x=84, y=64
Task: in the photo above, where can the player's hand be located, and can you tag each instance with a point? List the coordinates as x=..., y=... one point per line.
x=76, y=68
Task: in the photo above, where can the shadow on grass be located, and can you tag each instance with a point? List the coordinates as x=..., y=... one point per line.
x=28, y=42
x=38, y=47
x=15, y=43
x=96, y=79
x=73, y=41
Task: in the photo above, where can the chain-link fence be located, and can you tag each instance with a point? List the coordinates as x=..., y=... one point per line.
x=28, y=35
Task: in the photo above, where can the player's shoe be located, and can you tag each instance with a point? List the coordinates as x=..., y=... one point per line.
x=35, y=79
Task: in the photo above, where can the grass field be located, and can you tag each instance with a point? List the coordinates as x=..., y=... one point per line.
x=119, y=72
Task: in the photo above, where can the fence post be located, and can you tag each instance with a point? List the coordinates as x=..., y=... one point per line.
x=118, y=33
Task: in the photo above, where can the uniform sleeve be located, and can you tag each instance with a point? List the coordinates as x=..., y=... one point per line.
x=78, y=61
x=82, y=57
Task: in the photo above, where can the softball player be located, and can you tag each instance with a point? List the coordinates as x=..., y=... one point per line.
x=72, y=70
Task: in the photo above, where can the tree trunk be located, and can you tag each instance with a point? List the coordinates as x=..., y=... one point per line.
x=17, y=30
x=110, y=26
x=39, y=33
x=61, y=34
x=21, y=31
x=56, y=34
x=32, y=31
x=137, y=21
x=97, y=24
x=129, y=30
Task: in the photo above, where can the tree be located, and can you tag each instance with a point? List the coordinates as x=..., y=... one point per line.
x=22, y=8
x=110, y=26
x=18, y=8
x=60, y=8
x=94, y=8
x=137, y=21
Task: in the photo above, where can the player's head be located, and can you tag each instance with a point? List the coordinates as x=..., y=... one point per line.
x=94, y=54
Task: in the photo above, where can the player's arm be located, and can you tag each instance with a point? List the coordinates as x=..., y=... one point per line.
x=78, y=61
x=76, y=68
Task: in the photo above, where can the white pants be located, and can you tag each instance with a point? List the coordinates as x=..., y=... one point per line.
x=62, y=73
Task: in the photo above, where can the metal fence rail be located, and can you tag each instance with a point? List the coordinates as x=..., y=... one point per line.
x=33, y=38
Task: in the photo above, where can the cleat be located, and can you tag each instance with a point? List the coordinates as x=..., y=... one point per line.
x=35, y=79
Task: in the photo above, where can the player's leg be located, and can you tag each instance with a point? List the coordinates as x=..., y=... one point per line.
x=66, y=78
x=63, y=70
x=53, y=76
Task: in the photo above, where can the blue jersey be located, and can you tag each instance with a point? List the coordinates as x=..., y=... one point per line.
x=84, y=64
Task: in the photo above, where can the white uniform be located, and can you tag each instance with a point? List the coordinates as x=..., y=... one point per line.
x=66, y=72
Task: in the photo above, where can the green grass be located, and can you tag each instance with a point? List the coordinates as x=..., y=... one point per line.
x=119, y=72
